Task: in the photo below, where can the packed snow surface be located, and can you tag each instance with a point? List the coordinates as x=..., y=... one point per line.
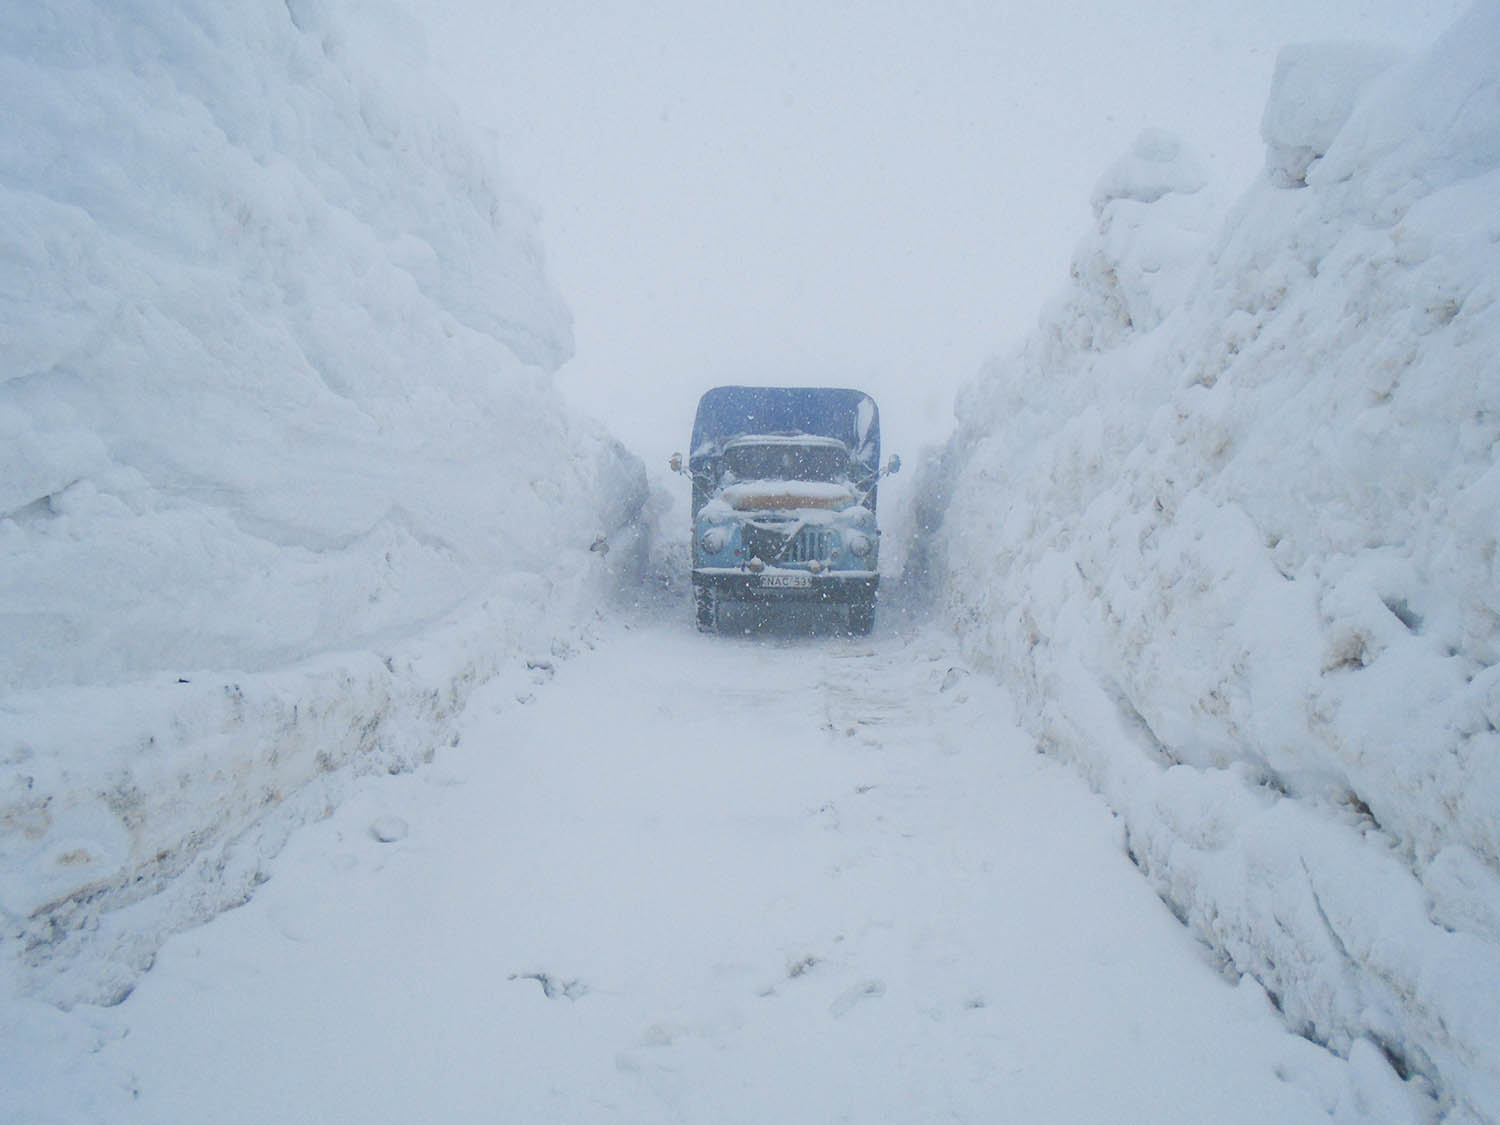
x=281, y=468
x=669, y=877
x=1227, y=523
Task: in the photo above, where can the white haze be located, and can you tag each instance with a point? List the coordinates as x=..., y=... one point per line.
x=290, y=504
x=872, y=194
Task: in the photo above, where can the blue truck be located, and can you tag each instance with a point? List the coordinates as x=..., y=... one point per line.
x=785, y=482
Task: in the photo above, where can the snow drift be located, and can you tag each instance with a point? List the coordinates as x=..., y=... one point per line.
x=1228, y=524
x=282, y=471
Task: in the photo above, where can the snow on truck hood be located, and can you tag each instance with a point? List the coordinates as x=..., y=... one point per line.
x=764, y=495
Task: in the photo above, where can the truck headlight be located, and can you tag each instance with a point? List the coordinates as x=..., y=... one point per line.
x=859, y=545
x=713, y=540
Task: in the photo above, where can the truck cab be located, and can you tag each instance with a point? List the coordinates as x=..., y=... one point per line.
x=785, y=483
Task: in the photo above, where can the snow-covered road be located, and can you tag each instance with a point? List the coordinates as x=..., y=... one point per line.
x=672, y=877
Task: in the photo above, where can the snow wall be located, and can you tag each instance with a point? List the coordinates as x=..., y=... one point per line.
x=282, y=471
x=1227, y=523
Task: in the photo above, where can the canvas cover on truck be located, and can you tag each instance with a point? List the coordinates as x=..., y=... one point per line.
x=725, y=413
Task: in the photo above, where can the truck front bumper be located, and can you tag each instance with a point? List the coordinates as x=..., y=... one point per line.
x=839, y=586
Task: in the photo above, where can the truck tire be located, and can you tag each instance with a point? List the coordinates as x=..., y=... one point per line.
x=861, y=616
x=706, y=599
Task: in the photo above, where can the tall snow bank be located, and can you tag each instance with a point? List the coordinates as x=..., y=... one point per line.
x=1228, y=523
x=275, y=413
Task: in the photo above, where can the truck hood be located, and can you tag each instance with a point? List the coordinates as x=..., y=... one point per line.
x=771, y=495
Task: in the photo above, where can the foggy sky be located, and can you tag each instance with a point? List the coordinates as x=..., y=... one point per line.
x=877, y=194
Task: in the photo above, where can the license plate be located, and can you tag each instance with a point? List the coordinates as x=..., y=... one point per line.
x=794, y=581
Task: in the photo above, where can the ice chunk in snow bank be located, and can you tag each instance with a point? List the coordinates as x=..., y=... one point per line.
x=1312, y=94
x=1151, y=217
x=1157, y=164
x=1434, y=123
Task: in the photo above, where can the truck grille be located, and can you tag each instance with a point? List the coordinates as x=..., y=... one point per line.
x=811, y=543
x=771, y=544
x=763, y=542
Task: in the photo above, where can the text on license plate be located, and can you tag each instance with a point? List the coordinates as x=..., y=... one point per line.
x=795, y=580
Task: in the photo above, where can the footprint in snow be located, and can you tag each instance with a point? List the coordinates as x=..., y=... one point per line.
x=795, y=967
x=388, y=829
x=553, y=987
x=954, y=677
x=864, y=990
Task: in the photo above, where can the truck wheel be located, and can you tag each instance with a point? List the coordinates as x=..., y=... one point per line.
x=707, y=601
x=862, y=616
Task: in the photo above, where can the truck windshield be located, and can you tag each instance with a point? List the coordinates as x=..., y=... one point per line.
x=785, y=461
